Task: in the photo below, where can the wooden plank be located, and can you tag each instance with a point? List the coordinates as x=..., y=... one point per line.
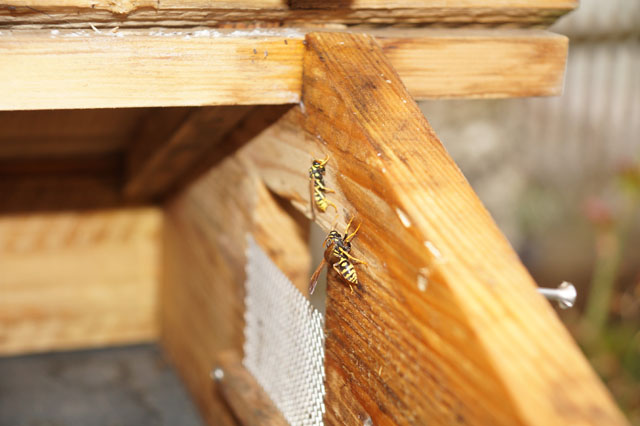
x=84, y=69
x=477, y=64
x=77, y=280
x=249, y=402
x=278, y=13
x=445, y=326
x=156, y=161
x=30, y=184
x=204, y=270
x=58, y=192
x=62, y=133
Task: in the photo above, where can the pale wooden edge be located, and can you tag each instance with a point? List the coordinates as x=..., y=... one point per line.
x=61, y=69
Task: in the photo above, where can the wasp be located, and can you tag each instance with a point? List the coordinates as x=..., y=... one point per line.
x=317, y=190
x=337, y=253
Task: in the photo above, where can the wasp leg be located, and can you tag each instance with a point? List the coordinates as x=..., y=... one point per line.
x=333, y=205
x=329, y=191
x=354, y=258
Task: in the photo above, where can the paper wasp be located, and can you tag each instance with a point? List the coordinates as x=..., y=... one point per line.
x=317, y=190
x=336, y=253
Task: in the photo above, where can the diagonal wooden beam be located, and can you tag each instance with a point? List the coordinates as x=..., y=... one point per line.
x=83, y=69
x=171, y=142
x=445, y=326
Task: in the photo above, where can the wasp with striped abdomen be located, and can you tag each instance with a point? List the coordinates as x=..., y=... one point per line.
x=337, y=253
x=317, y=189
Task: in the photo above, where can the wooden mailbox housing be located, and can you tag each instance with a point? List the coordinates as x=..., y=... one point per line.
x=138, y=213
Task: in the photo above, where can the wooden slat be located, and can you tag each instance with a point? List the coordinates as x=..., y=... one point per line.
x=78, y=280
x=156, y=161
x=84, y=69
x=204, y=269
x=446, y=326
x=249, y=402
x=58, y=192
x=180, y=13
x=65, y=133
x=30, y=184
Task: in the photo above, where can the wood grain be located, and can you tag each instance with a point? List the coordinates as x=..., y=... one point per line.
x=55, y=192
x=202, y=293
x=63, y=133
x=77, y=280
x=278, y=13
x=248, y=122
x=84, y=69
x=446, y=326
x=248, y=401
x=157, y=161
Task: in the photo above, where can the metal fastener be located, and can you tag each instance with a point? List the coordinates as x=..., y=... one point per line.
x=565, y=294
x=217, y=374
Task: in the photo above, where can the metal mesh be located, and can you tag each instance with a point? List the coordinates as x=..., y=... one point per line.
x=284, y=341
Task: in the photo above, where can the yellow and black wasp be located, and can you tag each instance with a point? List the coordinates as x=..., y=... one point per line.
x=336, y=253
x=317, y=190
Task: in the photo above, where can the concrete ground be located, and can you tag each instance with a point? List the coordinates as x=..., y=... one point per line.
x=107, y=387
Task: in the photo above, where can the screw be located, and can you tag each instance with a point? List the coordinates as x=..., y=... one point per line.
x=217, y=374
x=565, y=294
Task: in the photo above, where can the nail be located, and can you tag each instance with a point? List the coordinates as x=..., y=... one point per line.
x=565, y=294
x=217, y=374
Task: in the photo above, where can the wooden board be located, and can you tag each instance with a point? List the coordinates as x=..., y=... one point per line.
x=202, y=293
x=85, y=69
x=78, y=280
x=446, y=326
x=42, y=192
x=55, y=134
x=156, y=161
x=181, y=13
x=248, y=401
x=162, y=162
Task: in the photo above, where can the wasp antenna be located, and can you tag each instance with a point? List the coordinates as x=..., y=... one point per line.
x=346, y=231
x=350, y=236
x=323, y=162
x=335, y=219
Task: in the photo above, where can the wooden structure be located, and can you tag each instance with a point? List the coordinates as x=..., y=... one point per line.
x=123, y=221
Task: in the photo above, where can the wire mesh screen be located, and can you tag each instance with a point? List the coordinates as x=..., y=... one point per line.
x=284, y=341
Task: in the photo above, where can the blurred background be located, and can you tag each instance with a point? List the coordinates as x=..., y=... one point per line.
x=561, y=177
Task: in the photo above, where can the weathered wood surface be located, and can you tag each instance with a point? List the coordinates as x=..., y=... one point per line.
x=248, y=401
x=204, y=270
x=78, y=280
x=181, y=13
x=84, y=69
x=446, y=326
